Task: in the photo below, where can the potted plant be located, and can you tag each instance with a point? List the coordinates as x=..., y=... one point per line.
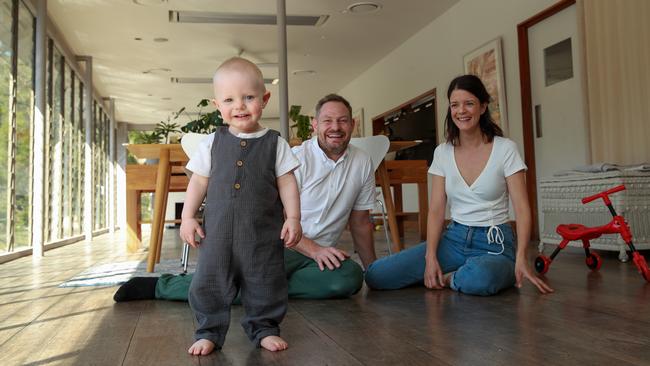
x=205, y=122
x=301, y=123
x=166, y=129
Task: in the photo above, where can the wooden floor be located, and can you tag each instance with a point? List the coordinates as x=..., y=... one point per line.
x=592, y=319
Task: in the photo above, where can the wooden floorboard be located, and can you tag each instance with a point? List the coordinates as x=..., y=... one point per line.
x=593, y=318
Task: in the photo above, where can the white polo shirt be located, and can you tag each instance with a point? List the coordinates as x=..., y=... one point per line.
x=330, y=190
x=201, y=161
x=485, y=202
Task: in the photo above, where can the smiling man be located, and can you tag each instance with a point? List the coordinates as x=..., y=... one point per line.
x=337, y=186
x=336, y=183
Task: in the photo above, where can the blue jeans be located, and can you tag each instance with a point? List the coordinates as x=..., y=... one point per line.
x=463, y=249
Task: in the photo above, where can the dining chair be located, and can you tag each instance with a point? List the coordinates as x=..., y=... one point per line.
x=377, y=147
x=189, y=142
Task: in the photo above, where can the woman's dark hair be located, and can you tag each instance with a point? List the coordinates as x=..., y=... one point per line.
x=474, y=85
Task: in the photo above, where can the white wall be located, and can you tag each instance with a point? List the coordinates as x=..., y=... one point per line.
x=434, y=56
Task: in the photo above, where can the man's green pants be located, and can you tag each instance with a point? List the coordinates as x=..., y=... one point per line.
x=305, y=280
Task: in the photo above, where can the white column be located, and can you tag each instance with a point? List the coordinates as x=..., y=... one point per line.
x=121, y=136
x=282, y=68
x=38, y=191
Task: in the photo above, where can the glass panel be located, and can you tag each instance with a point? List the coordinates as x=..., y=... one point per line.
x=81, y=141
x=102, y=172
x=100, y=198
x=105, y=198
x=66, y=194
x=5, y=84
x=55, y=149
x=74, y=156
x=95, y=155
x=24, y=126
x=558, y=62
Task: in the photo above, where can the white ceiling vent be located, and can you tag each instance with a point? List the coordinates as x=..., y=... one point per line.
x=190, y=80
x=177, y=16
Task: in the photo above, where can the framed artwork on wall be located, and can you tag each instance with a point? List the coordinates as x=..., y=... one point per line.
x=486, y=62
x=359, y=129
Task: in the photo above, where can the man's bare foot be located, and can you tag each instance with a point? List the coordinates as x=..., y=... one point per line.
x=274, y=343
x=201, y=347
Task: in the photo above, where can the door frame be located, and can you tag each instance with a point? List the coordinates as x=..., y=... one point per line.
x=526, y=104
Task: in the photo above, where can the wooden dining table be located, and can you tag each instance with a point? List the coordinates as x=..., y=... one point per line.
x=161, y=178
x=168, y=176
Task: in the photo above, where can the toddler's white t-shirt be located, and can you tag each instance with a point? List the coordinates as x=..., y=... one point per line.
x=201, y=161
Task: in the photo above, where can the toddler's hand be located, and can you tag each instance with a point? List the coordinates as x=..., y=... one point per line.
x=291, y=232
x=188, y=228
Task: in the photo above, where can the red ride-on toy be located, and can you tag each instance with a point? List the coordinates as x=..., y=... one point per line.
x=572, y=232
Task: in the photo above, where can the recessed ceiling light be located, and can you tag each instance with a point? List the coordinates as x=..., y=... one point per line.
x=275, y=81
x=365, y=7
x=149, y=2
x=176, y=16
x=304, y=72
x=160, y=39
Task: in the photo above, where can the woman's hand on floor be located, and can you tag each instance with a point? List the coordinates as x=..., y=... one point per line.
x=523, y=270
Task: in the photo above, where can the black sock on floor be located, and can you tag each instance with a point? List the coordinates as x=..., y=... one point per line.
x=137, y=288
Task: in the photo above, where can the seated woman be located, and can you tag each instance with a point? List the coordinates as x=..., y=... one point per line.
x=475, y=171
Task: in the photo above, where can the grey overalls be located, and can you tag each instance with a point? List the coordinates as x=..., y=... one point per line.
x=242, y=249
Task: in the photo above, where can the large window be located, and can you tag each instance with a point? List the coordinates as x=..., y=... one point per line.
x=16, y=127
x=64, y=138
x=66, y=153
x=55, y=146
x=66, y=135
x=24, y=126
x=100, y=173
x=6, y=80
x=81, y=158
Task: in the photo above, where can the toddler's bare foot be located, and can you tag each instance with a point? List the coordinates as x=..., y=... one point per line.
x=274, y=343
x=201, y=347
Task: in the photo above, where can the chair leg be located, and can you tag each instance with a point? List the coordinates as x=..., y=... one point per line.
x=185, y=257
x=384, y=224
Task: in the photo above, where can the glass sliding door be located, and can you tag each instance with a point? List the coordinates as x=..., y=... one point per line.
x=6, y=81
x=81, y=158
x=55, y=149
x=66, y=153
x=24, y=126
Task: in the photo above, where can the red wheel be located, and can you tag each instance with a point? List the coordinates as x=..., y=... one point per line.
x=593, y=261
x=542, y=263
x=641, y=265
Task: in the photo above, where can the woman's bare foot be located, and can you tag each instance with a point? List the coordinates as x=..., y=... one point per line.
x=274, y=343
x=201, y=347
x=446, y=279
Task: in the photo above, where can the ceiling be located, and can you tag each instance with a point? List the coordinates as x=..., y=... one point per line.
x=138, y=73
